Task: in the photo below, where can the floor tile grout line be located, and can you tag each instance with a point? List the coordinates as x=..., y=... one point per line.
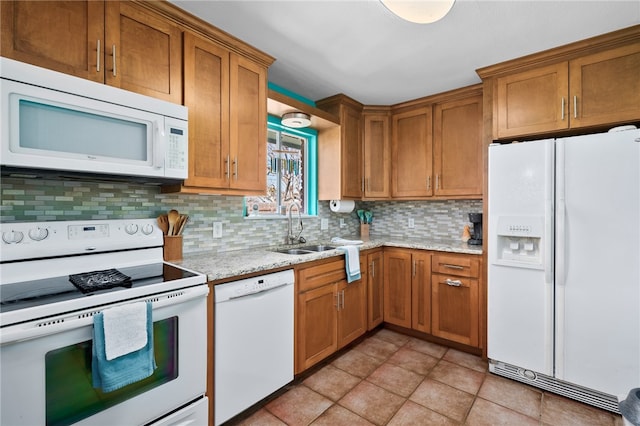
x=448, y=355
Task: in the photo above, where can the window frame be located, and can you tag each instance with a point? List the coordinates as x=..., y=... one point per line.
x=310, y=164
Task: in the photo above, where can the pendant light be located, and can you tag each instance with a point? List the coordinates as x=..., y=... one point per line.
x=296, y=120
x=419, y=11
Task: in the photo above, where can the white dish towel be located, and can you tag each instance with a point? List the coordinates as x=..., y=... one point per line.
x=352, y=262
x=125, y=329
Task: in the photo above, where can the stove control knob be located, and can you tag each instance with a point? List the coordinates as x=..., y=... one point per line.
x=38, y=234
x=147, y=229
x=12, y=237
x=131, y=228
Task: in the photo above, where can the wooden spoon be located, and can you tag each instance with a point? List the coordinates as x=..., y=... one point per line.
x=182, y=223
x=163, y=223
x=173, y=219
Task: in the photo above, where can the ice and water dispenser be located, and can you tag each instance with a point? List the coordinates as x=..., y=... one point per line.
x=519, y=241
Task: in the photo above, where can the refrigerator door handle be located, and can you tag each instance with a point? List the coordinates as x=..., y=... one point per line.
x=548, y=237
x=561, y=229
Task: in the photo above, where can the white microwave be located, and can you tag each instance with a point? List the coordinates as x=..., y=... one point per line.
x=59, y=124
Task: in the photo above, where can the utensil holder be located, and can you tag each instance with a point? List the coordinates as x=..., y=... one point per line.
x=172, y=248
x=364, y=229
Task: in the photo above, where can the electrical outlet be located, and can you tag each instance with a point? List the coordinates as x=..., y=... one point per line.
x=411, y=223
x=217, y=229
x=342, y=224
x=324, y=224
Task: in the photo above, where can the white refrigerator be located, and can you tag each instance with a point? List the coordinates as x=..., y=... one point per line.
x=564, y=265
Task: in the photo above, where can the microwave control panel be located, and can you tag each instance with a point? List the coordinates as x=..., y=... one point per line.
x=177, y=151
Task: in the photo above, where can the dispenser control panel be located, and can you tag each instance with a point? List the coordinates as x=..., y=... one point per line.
x=519, y=241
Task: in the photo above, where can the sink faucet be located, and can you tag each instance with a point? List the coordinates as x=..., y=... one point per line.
x=291, y=239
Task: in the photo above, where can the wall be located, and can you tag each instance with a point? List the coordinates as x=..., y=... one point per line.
x=44, y=200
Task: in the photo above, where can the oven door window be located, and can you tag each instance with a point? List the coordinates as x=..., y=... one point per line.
x=70, y=396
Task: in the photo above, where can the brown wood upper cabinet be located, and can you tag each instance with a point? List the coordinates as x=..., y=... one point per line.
x=596, y=89
x=376, y=147
x=340, y=152
x=118, y=43
x=457, y=147
x=411, y=153
x=437, y=146
x=227, y=98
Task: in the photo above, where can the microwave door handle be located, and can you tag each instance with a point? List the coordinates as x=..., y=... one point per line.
x=158, y=146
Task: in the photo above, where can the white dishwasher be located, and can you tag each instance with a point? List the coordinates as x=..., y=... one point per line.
x=253, y=341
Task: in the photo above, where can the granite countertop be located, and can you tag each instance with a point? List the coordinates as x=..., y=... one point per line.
x=223, y=265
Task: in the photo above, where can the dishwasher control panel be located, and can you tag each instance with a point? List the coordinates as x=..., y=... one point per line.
x=249, y=286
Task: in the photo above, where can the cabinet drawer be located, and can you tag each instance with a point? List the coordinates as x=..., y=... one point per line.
x=460, y=266
x=322, y=274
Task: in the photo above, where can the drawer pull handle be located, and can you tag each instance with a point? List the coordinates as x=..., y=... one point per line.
x=453, y=283
x=113, y=51
x=98, y=56
x=448, y=265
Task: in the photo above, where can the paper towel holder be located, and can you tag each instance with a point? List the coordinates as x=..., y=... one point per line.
x=342, y=206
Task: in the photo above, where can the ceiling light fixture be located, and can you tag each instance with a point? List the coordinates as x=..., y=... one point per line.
x=296, y=120
x=419, y=11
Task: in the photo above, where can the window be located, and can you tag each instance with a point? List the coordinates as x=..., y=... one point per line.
x=291, y=172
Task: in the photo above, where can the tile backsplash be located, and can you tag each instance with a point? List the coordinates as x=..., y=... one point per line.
x=43, y=200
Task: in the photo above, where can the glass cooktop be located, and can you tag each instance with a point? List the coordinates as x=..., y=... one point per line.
x=27, y=294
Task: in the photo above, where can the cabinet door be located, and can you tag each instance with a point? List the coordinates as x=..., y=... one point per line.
x=59, y=35
x=457, y=146
x=248, y=126
x=143, y=52
x=352, y=311
x=411, y=156
x=397, y=287
x=455, y=308
x=206, y=94
x=316, y=331
x=605, y=87
x=421, y=291
x=375, y=292
x=352, y=177
x=533, y=101
x=377, y=151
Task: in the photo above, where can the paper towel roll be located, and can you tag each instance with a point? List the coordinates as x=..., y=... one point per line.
x=342, y=206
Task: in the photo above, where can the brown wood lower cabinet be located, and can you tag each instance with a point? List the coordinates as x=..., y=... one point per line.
x=455, y=298
x=437, y=294
x=375, y=288
x=430, y=292
x=330, y=313
x=407, y=288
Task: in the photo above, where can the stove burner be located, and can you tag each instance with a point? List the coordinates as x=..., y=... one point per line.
x=99, y=280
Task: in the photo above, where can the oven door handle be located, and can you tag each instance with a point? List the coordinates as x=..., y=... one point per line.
x=60, y=323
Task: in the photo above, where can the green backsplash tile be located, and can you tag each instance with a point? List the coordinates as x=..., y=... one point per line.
x=48, y=200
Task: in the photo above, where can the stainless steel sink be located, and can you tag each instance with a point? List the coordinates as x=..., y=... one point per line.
x=306, y=249
x=318, y=247
x=295, y=251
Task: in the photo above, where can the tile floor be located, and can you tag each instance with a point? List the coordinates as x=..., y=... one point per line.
x=393, y=379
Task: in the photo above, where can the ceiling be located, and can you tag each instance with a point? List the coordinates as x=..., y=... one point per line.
x=361, y=49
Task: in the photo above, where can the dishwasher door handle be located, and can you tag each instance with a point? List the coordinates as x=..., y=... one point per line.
x=252, y=293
